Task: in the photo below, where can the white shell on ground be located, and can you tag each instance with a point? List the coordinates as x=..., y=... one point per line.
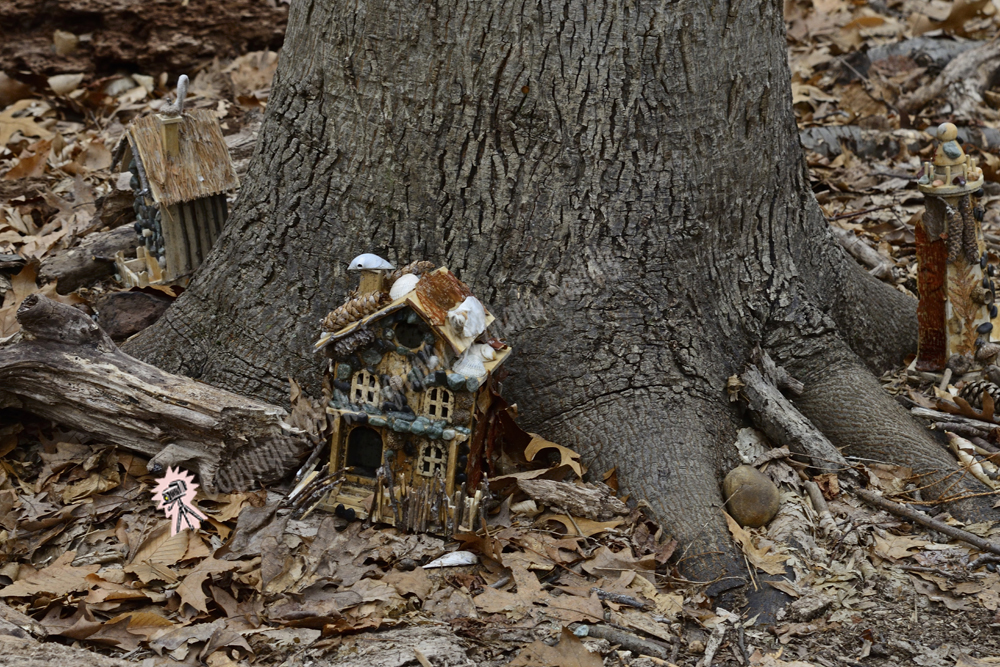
x=453, y=559
x=403, y=285
x=468, y=318
x=368, y=261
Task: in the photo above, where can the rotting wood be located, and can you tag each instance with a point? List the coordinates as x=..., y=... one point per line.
x=583, y=500
x=65, y=368
x=92, y=260
x=775, y=415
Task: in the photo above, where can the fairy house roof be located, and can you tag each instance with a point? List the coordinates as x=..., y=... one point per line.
x=201, y=168
x=434, y=295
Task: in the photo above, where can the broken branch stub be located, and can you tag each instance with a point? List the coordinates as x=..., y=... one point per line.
x=65, y=368
x=775, y=415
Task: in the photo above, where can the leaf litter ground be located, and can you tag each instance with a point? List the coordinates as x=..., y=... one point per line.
x=89, y=562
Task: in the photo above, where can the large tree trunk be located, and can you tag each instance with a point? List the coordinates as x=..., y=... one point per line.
x=620, y=182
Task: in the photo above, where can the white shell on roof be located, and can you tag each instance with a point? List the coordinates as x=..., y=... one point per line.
x=368, y=262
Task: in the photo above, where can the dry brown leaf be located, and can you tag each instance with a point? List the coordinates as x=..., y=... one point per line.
x=759, y=558
x=962, y=11
x=492, y=601
x=574, y=609
x=158, y=553
x=643, y=622
x=895, y=547
x=606, y=563
x=969, y=661
x=31, y=161
x=58, y=579
x=569, y=652
x=25, y=124
x=415, y=582
x=587, y=527
x=567, y=456
x=191, y=590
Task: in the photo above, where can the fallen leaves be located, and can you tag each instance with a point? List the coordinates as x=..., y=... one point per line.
x=569, y=652
x=58, y=579
x=761, y=558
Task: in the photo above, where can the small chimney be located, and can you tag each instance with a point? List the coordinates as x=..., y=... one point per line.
x=169, y=133
x=371, y=281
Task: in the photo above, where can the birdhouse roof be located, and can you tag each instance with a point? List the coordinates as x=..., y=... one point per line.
x=434, y=295
x=202, y=168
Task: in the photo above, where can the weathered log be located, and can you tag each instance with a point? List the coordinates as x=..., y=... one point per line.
x=90, y=261
x=65, y=368
x=593, y=502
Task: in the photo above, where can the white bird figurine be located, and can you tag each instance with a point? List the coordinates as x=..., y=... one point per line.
x=468, y=318
x=368, y=262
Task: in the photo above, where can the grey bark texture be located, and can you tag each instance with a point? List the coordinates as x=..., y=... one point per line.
x=620, y=182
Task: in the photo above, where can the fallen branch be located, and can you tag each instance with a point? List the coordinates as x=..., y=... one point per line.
x=65, y=368
x=775, y=415
x=913, y=515
x=879, y=266
x=626, y=640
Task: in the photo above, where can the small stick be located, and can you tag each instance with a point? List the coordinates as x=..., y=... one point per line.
x=945, y=379
x=627, y=600
x=878, y=501
x=311, y=461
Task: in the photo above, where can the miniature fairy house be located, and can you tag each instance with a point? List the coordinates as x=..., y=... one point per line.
x=412, y=372
x=181, y=171
x=955, y=282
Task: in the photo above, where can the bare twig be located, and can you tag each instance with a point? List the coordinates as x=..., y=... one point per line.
x=905, y=512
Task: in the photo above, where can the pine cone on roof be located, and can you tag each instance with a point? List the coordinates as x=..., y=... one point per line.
x=418, y=268
x=973, y=393
x=354, y=310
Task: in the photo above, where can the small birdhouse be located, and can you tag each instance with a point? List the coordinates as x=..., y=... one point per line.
x=413, y=377
x=180, y=173
x=957, y=305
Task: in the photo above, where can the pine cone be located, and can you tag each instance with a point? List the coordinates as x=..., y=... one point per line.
x=345, y=347
x=969, y=243
x=973, y=393
x=354, y=310
x=418, y=268
x=955, y=232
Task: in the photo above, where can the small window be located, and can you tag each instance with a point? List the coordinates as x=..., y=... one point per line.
x=432, y=461
x=438, y=403
x=365, y=388
x=409, y=335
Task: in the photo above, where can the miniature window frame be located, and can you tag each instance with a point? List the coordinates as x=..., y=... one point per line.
x=433, y=460
x=439, y=403
x=365, y=388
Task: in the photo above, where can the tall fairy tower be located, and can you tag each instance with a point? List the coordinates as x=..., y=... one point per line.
x=955, y=282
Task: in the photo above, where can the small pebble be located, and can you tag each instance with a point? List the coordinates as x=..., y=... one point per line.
x=406, y=565
x=697, y=647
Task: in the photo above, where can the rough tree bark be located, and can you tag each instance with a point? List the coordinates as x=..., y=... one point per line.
x=621, y=182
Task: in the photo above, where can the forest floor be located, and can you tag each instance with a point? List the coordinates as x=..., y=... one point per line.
x=89, y=568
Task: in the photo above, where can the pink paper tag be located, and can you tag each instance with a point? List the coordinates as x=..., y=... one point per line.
x=175, y=496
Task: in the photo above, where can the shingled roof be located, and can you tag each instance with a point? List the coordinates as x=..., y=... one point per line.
x=203, y=167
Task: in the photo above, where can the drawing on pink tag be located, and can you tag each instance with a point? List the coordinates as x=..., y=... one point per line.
x=175, y=496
